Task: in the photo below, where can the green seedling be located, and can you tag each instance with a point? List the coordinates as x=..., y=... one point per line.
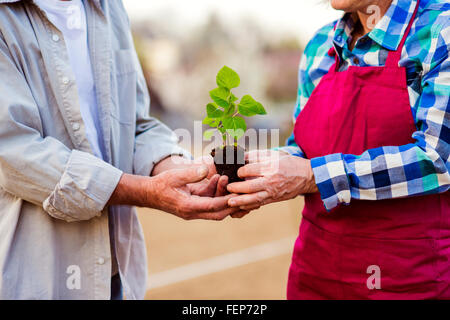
x=225, y=113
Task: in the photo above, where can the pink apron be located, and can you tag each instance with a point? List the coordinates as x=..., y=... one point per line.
x=387, y=249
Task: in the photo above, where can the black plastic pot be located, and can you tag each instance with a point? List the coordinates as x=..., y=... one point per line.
x=228, y=160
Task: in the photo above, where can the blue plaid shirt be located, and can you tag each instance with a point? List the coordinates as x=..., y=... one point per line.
x=390, y=171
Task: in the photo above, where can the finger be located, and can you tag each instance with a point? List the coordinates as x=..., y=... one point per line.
x=250, y=208
x=253, y=199
x=209, y=189
x=249, y=186
x=259, y=169
x=239, y=215
x=182, y=177
x=258, y=206
x=194, y=204
x=250, y=170
x=208, y=161
x=254, y=156
x=222, y=186
x=217, y=216
x=260, y=155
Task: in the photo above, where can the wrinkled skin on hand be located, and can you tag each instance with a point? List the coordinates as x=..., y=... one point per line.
x=178, y=191
x=271, y=176
x=190, y=194
x=213, y=185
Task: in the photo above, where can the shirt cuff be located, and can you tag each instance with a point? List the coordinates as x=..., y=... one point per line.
x=293, y=151
x=331, y=179
x=84, y=189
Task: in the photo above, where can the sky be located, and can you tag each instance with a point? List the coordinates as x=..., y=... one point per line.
x=305, y=16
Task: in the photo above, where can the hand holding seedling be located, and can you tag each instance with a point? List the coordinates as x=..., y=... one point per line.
x=273, y=176
x=182, y=193
x=185, y=189
x=212, y=185
x=192, y=191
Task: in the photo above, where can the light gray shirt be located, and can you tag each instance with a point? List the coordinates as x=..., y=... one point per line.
x=54, y=235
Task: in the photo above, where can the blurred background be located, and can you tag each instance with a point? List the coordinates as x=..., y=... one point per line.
x=182, y=45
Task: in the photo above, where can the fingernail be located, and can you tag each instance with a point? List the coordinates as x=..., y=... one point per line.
x=202, y=171
x=232, y=202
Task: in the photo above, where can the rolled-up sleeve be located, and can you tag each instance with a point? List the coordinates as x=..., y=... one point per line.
x=86, y=180
x=69, y=184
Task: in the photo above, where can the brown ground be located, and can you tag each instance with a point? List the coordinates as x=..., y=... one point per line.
x=173, y=243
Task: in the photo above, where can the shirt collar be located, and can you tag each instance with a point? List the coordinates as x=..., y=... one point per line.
x=388, y=32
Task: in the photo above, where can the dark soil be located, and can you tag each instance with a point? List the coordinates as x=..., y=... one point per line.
x=228, y=160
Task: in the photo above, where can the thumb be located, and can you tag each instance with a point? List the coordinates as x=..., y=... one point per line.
x=193, y=174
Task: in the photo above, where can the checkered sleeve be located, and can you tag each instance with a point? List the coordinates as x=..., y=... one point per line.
x=388, y=172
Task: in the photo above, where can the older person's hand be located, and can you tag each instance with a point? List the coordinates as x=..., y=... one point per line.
x=182, y=193
x=271, y=176
x=213, y=185
x=185, y=188
x=173, y=191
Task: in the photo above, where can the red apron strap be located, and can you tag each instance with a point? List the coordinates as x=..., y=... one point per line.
x=394, y=56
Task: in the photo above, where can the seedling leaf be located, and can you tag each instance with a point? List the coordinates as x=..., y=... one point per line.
x=213, y=111
x=211, y=122
x=228, y=78
x=236, y=134
x=233, y=98
x=234, y=123
x=220, y=96
x=261, y=110
x=230, y=110
x=249, y=107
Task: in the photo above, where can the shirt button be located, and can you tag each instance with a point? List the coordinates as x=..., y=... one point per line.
x=355, y=60
x=65, y=80
x=101, y=261
x=76, y=126
x=55, y=38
